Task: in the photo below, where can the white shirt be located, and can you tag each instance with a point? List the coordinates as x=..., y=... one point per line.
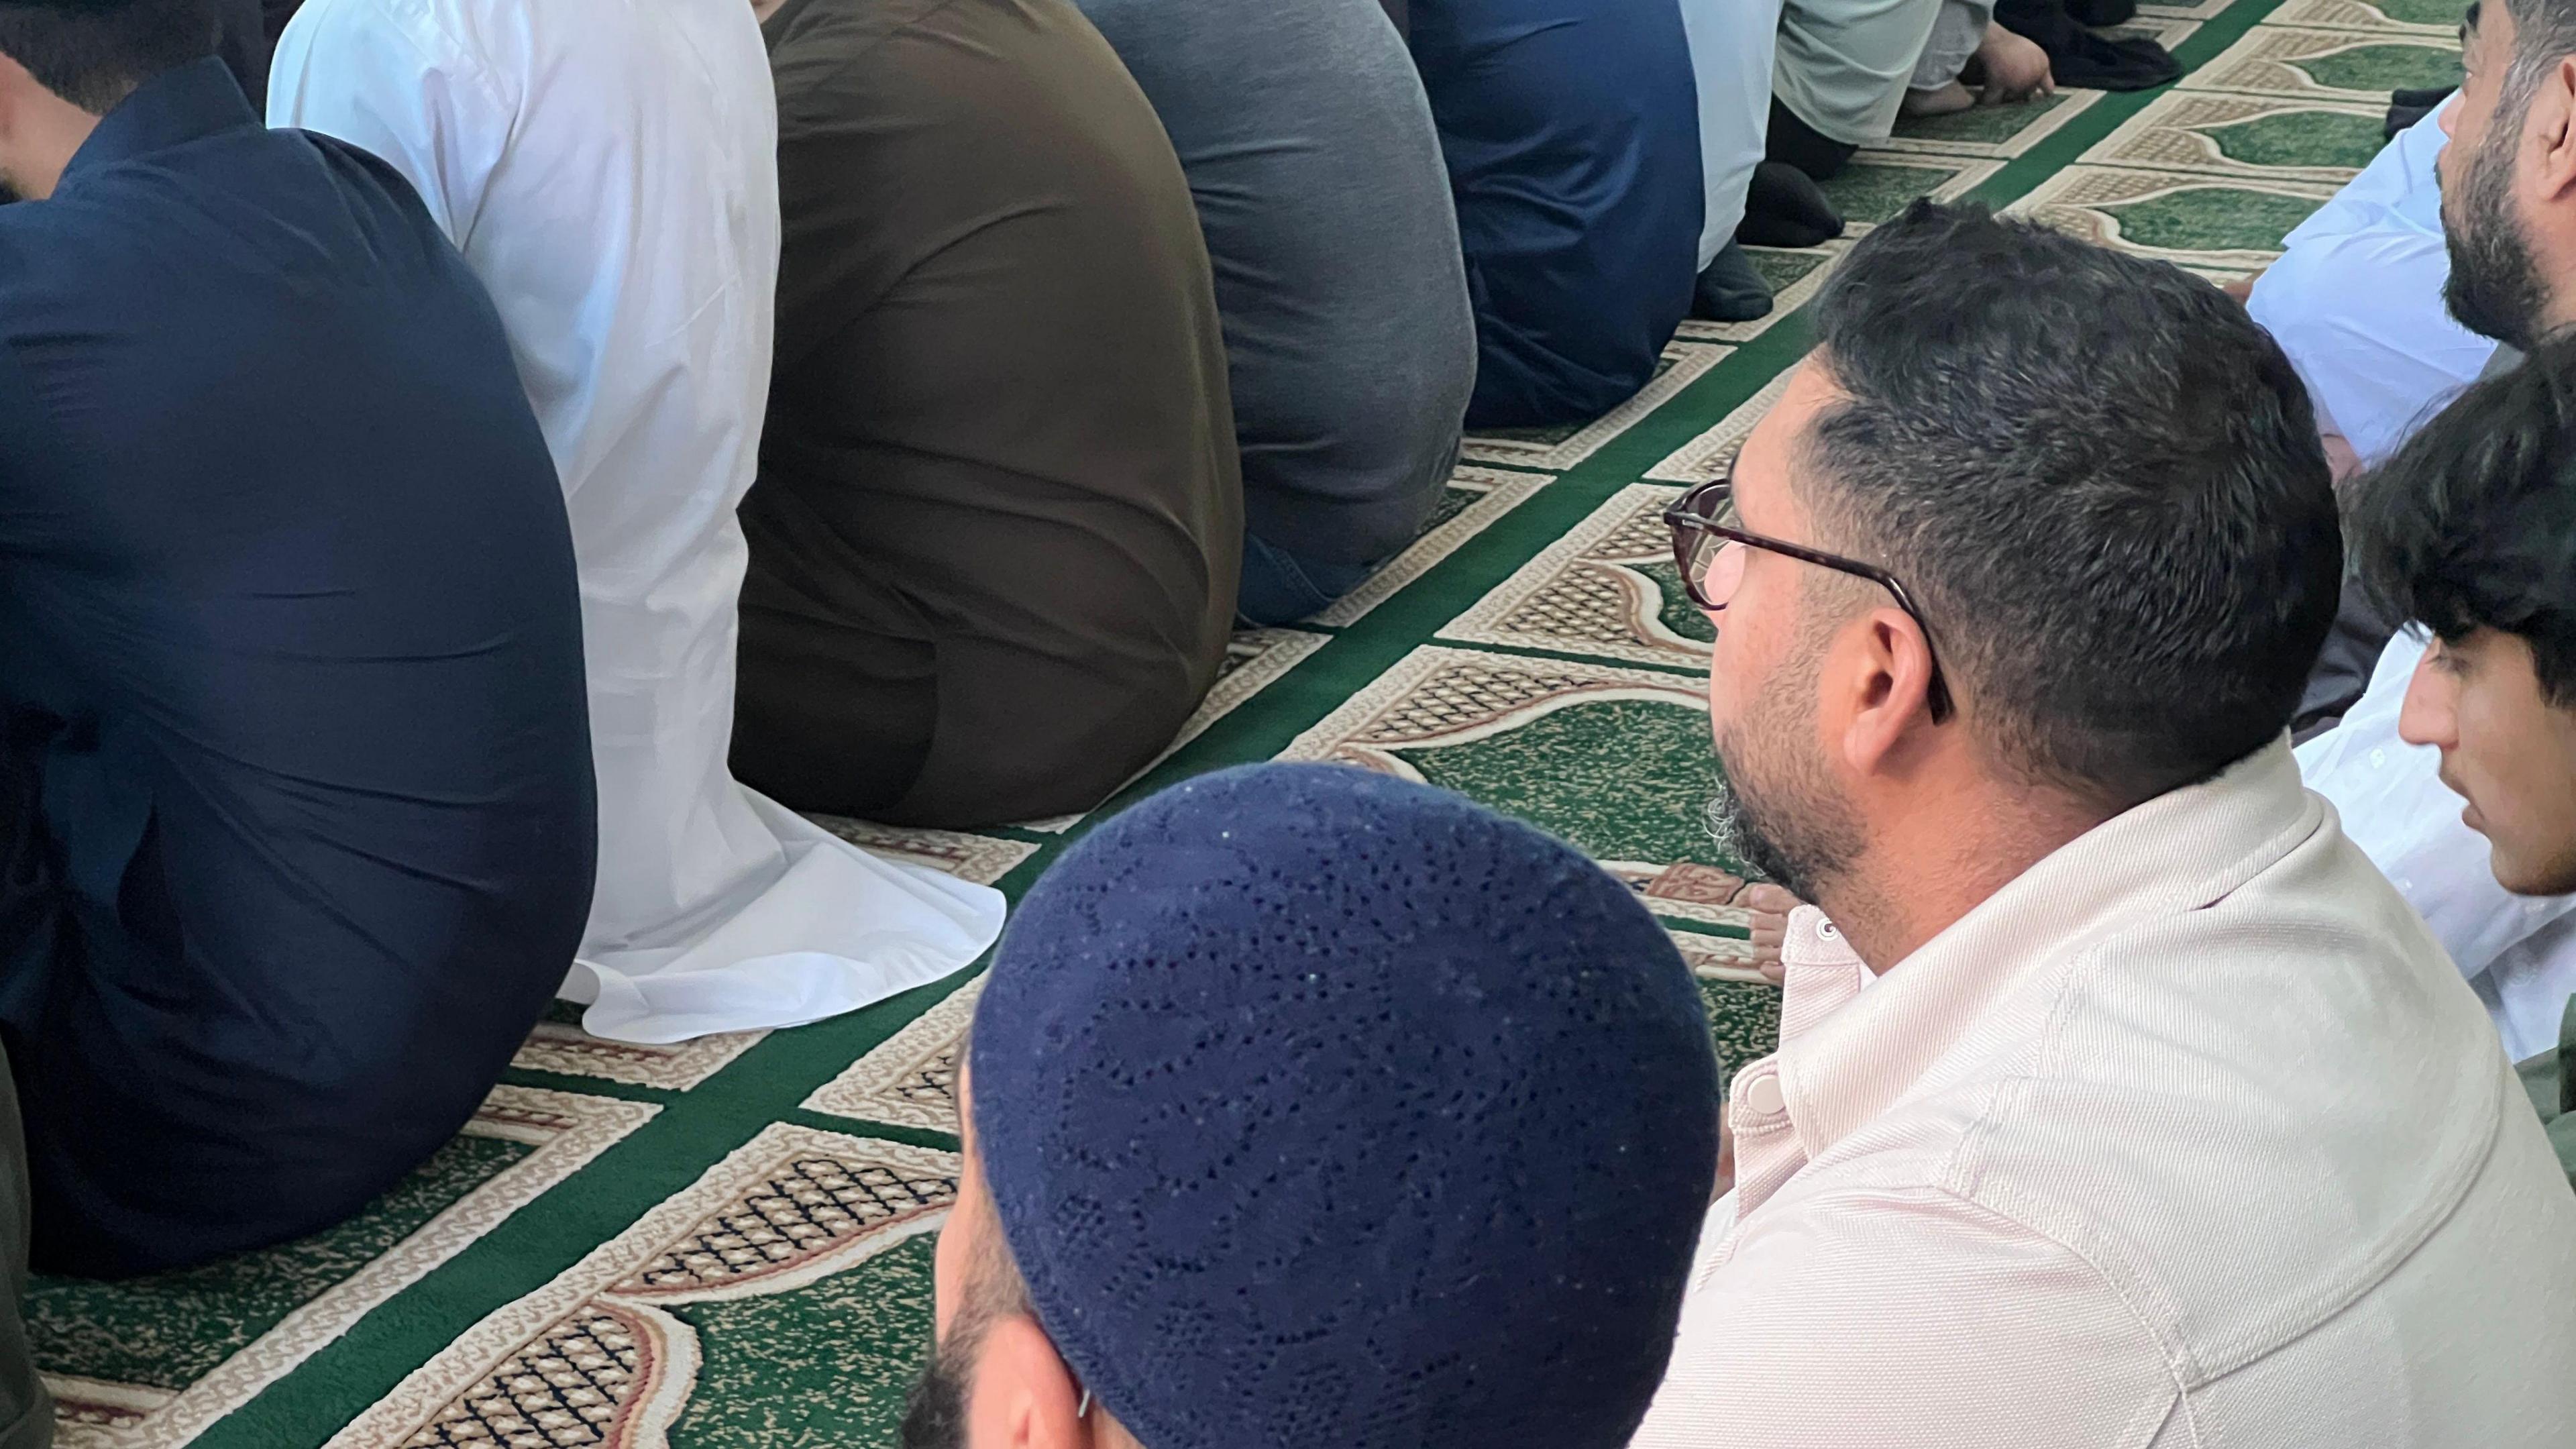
x=2518, y=952
x=2188, y=1136
x=609, y=169
x=2356, y=300
x=1730, y=50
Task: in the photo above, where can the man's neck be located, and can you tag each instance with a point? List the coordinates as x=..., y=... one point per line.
x=1936, y=861
x=42, y=140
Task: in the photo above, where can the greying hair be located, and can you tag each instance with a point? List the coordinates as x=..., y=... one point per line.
x=2101, y=479
x=2544, y=33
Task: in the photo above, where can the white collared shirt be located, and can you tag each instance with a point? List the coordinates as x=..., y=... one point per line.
x=2188, y=1136
x=609, y=169
x=2518, y=952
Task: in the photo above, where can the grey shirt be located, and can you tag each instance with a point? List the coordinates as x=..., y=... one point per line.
x=1309, y=148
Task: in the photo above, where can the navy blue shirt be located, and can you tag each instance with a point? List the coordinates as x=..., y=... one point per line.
x=1571, y=129
x=296, y=800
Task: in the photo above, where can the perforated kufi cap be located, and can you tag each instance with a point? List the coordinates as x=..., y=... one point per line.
x=1323, y=1110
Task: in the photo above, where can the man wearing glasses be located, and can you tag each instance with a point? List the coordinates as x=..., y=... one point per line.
x=2119, y=1100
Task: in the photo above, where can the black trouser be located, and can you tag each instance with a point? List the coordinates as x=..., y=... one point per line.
x=26, y=1411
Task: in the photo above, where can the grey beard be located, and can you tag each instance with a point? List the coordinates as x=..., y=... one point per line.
x=1727, y=825
x=1746, y=843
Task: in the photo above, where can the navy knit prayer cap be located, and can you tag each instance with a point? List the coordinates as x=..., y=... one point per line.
x=1327, y=1111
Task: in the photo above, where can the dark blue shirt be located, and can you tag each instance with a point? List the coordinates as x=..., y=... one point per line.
x=296, y=792
x=1571, y=129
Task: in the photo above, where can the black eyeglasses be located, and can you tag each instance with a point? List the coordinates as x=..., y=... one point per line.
x=1710, y=551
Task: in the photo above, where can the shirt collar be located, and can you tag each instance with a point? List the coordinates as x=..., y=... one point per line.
x=173, y=108
x=1846, y=1056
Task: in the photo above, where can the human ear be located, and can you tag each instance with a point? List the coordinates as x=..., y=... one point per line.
x=2550, y=129
x=1886, y=690
x=1023, y=1396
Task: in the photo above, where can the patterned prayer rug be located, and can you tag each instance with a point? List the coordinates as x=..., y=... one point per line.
x=726, y=1244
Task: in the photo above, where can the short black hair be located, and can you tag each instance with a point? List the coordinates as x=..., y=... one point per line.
x=2102, y=480
x=2472, y=524
x=94, y=53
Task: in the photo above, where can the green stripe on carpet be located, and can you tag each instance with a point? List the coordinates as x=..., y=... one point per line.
x=724, y=1242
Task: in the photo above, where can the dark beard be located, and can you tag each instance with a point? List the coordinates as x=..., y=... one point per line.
x=934, y=1413
x=2494, y=290
x=1800, y=847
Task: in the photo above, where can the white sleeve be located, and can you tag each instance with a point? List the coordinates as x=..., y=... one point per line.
x=398, y=79
x=2356, y=299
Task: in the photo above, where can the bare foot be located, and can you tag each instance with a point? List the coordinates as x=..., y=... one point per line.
x=1945, y=101
x=2016, y=69
x=1769, y=906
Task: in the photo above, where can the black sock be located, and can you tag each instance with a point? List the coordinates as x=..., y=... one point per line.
x=1798, y=144
x=1730, y=290
x=1785, y=208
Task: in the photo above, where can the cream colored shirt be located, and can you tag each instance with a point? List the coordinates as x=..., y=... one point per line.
x=2188, y=1136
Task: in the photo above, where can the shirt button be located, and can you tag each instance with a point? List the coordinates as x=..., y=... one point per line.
x=1829, y=930
x=1762, y=1096
x=2378, y=758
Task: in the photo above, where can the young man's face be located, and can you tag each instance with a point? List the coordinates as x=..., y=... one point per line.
x=2506, y=749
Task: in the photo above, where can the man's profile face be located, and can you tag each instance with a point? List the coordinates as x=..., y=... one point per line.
x=2494, y=287
x=2506, y=749
x=1782, y=815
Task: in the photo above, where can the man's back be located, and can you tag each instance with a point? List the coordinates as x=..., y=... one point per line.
x=999, y=464
x=1571, y=132
x=294, y=664
x=1310, y=150
x=2189, y=1135
x=609, y=169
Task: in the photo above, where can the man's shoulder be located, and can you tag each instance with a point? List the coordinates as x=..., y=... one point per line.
x=2244, y=1111
x=1859, y=1310
x=833, y=58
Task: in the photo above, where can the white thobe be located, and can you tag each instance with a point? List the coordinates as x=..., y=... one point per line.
x=1843, y=65
x=2519, y=952
x=1730, y=49
x=609, y=169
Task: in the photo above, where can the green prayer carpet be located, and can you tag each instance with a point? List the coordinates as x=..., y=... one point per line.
x=725, y=1244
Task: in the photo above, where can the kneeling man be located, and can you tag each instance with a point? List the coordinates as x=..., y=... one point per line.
x=1571, y=132
x=995, y=538
x=296, y=803
x=2119, y=1098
